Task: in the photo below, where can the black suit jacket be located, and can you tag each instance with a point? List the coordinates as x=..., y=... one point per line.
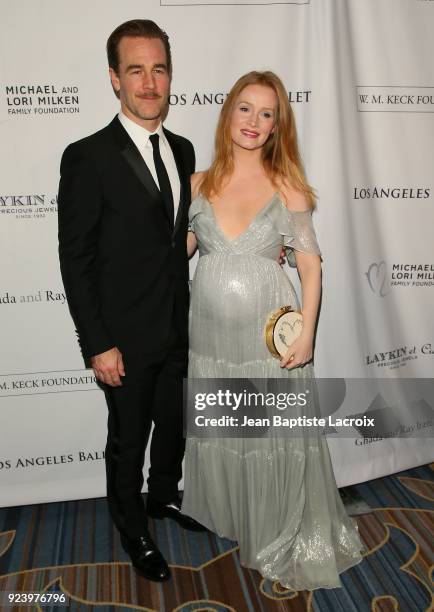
x=124, y=266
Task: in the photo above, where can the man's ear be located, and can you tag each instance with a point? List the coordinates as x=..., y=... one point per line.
x=114, y=79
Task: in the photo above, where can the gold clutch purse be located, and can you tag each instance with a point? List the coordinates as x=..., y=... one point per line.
x=282, y=328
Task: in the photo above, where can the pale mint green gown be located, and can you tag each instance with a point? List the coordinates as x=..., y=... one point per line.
x=277, y=497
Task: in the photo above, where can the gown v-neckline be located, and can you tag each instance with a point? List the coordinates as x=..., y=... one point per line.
x=248, y=227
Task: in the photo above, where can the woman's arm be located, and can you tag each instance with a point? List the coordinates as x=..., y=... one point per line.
x=195, y=180
x=191, y=244
x=309, y=269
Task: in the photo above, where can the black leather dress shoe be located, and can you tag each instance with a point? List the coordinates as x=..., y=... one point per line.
x=146, y=558
x=172, y=510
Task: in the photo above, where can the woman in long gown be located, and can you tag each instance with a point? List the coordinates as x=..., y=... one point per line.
x=276, y=496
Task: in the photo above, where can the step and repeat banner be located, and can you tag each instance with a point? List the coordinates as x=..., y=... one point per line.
x=360, y=78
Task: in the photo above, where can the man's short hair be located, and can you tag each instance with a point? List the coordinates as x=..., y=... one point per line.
x=144, y=28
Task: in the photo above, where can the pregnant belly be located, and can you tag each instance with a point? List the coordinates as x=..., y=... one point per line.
x=234, y=292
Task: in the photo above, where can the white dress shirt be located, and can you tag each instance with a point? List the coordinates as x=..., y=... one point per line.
x=140, y=136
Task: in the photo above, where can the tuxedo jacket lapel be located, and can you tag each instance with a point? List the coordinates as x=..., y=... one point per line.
x=136, y=162
x=133, y=158
x=141, y=170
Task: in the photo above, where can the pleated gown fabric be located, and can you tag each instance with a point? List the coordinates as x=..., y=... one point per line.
x=276, y=496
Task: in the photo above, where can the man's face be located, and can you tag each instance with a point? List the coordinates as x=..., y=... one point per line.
x=142, y=80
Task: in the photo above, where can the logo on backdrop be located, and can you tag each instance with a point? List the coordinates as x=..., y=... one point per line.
x=40, y=99
x=381, y=281
x=398, y=99
x=30, y=206
x=47, y=382
x=400, y=356
x=43, y=295
x=200, y=98
x=377, y=278
x=391, y=193
x=24, y=463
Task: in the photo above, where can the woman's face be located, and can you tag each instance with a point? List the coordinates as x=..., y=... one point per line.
x=253, y=117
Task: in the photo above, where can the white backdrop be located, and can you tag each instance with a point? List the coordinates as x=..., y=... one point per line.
x=361, y=79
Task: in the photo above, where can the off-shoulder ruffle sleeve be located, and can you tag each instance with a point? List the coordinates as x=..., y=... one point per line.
x=196, y=207
x=298, y=232
x=304, y=237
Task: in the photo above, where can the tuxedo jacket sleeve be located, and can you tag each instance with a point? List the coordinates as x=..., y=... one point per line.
x=80, y=212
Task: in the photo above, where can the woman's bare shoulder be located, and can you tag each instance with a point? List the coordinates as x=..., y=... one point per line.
x=196, y=180
x=294, y=199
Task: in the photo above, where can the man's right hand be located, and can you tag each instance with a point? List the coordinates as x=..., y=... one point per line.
x=109, y=367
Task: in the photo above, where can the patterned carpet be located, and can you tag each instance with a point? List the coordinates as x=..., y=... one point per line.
x=71, y=547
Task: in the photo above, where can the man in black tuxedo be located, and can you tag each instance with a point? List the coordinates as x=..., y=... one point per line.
x=123, y=202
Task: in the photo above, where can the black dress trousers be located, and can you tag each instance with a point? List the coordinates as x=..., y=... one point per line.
x=151, y=393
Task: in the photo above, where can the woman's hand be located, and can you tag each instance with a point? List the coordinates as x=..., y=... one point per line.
x=282, y=257
x=299, y=353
